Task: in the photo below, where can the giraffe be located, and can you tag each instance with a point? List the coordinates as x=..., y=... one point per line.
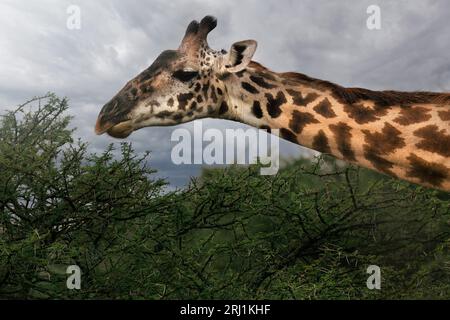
x=402, y=134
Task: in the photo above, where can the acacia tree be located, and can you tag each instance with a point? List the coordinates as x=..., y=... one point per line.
x=309, y=232
x=60, y=205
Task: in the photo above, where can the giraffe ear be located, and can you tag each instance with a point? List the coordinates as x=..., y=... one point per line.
x=240, y=55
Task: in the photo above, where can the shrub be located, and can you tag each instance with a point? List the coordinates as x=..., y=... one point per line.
x=307, y=233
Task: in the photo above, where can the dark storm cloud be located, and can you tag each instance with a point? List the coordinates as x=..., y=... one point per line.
x=325, y=39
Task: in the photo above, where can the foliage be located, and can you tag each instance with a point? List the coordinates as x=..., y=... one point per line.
x=307, y=233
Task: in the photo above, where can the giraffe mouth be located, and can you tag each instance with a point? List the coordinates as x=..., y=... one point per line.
x=119, y=130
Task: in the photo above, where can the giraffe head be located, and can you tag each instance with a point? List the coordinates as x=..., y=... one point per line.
x=181, y=85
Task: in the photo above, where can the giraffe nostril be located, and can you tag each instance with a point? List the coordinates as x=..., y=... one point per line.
x=133, y=92
x=146, y=89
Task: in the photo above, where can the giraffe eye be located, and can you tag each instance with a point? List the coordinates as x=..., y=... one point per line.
x=185, y=75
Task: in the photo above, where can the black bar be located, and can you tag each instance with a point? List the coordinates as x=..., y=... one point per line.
x=229, y=309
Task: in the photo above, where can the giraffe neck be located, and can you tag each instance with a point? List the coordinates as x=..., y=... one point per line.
x=401, y=134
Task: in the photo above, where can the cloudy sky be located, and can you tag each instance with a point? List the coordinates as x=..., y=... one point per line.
x=324, y=39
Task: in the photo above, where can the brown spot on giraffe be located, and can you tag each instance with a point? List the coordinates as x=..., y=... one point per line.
x=325, y=109
x=266, y=128
x=248, y=87
x=177, y=116
x=288, y=135
x=434, y=140
x=213, y=94
x=274, y=104
x=320, y=142
x=378, y=162
x=300, y=120
x=183, y=100
x=380, y=144
x=411, y=115
x=256, y=109
x=260, y=81
x=384, y=142
x=444, y=115
x=343, y=136
x=223, y=108
x=299, y=100
x=427, y=172
x=362, y=114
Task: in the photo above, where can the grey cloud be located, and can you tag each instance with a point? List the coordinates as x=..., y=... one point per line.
x=324, y=39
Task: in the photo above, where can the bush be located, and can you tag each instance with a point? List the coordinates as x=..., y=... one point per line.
x=307, y=233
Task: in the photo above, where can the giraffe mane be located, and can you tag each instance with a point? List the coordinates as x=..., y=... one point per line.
x=354, y=95
x=382, y=98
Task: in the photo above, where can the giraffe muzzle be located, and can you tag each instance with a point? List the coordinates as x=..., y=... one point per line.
x=120, y=130
x=114, y=118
